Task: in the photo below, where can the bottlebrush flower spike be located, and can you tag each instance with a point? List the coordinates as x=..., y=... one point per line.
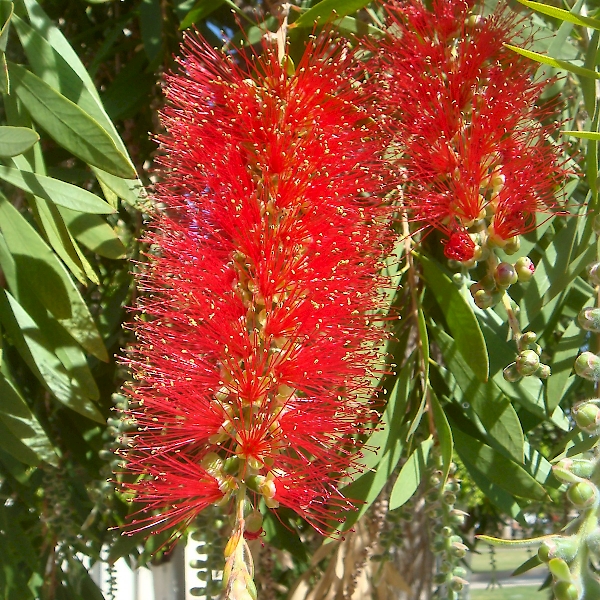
x=469, y=134
x=256, y=343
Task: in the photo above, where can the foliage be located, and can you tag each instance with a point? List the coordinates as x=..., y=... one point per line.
x=80, y=93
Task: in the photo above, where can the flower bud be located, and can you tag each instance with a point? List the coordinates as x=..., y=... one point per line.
x=565, y=590
x=582, y=494
x=513, y=245
x=562, y=471
x=524, y=268
x=457, y=584
x=527, y=362
x=505, y=275
x=587, y=416
x=589, y=319
x=559, y=569
x=511, y=374
x=593, y=541
x=587, y=366
x=483, y=299
x=459, y=572
x=529, y=337
x=543, y=372
x=593, y=272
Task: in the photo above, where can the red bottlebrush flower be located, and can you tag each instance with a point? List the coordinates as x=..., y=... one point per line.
x=469, y=135
x=256, y=340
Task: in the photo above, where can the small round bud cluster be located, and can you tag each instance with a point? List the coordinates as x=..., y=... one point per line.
x=447, y=546
x=488, y=291
x=528, y=362
x=587, y=416
x=208, y=531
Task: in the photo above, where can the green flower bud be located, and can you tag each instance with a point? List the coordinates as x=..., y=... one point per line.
x=439, y=578
x=254, y=522
x=593, y=541
x=564, y=590
x=459, y=550
x=513, y=245
x=457, y=584
x=483, y=299
x=458, y=279
x=587, y=416
x=524, y=268
x=511, y=374
x=593, y=272
x=527, y=362
x=459, y=572
x=529, y=337
x=449, y=498
x=543, y=372
x=582, y=494
x=589, y=319
x=559, y=569
x=562, y=471
x=587, y=366
x=505, y=275
x=545, y=551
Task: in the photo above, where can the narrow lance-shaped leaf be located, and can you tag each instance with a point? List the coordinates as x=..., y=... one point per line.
x=410, y=475
x=56, y=191
x=68, y=124
x=329, y=10
x=16, y=140
x=40, y=271
x=461, y=320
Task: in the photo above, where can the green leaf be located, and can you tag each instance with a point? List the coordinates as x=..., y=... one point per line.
x=38, y=270
x=6, y=14
x=459, y=315
x=554, y=62
x=496, y=413
x=16, y=140
x=94, y=233
x=444, y=435
x=563, y=15
x=36, y=352
x=530, y=563
x=151, y=20
x=199, y=11
x=21, y=422
x=69, y=125
x=54, y=190
x=588, y=135
x=522, y=543
x=387, y=440
x=497, y=468
x=329, y=10
x=410, y=475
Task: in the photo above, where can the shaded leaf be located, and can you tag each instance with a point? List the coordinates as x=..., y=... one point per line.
x=151, y=20
x=200, y=10
x=410, y=475
x=94, y=233
x=497, y=468
x=35, y=351
x=459, y=315
x=38, y=270
x=444, y=435
x=16, y=140
x=18, y=418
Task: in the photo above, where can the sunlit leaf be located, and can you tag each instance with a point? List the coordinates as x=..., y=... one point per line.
x=16, y=140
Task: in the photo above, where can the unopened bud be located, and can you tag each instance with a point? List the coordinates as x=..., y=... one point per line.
x=513, y=245
x=565, y=590
x=505, y=275
x=524, y=268
x=543, y=372
x=582, y=494
x=511, y=373
x=587, y=416
x=587, y=366
x=529, y=337
x=559, y=569
x=483, y=299
x=457, y=584
x=593, y=541
x=589, y=319
x=527, y=362
x=593, y=272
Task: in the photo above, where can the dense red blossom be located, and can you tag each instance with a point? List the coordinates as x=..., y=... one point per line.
x=256, y=344
x=466, y=120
